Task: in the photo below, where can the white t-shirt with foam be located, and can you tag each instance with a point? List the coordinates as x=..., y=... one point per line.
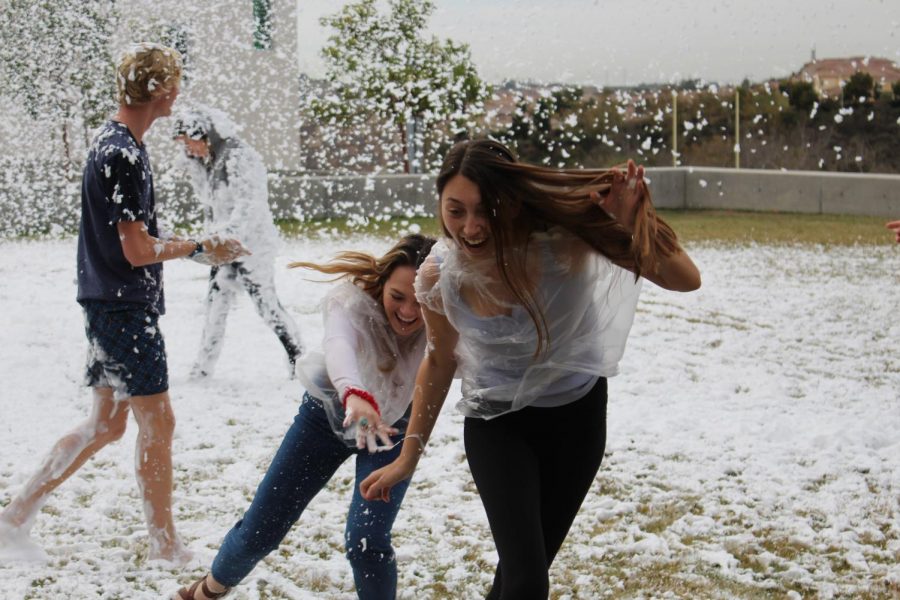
x=588, y=305
x=361, y=350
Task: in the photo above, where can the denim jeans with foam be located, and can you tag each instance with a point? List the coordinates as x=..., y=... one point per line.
x=307, y=459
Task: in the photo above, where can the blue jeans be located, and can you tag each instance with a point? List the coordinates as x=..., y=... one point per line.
x=307, y=459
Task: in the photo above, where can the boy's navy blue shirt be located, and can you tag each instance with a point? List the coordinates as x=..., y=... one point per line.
x=117, y=186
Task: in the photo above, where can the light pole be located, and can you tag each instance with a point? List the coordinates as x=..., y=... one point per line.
x=737, y=127
x=674, y=128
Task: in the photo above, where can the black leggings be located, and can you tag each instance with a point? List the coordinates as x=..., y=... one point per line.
x=533, y=469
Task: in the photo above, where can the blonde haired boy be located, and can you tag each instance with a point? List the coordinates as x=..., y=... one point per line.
x=120, y=256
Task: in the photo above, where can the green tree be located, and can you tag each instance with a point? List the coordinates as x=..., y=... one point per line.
x=802, y=95
x=56, y=62
x=556, y=128
x=860, y=88
x=382, y=64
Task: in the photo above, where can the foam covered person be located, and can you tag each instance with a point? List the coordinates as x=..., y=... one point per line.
x=231, y=183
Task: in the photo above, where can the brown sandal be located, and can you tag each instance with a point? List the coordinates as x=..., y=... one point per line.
x=188, y=593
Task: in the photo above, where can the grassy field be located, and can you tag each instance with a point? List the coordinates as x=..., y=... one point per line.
x=730, y=227
x=742, y=227
x=751, y=442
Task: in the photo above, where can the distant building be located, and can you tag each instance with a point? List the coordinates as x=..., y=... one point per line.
x=829, y=75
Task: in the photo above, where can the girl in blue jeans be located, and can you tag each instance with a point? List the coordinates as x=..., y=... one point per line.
x=357, y=403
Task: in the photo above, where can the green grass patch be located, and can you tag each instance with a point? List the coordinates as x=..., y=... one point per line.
x=744, y=227
x=621, y=579
x=659, y=516
x=692, y=226
x=781, y=546
x=380, y=227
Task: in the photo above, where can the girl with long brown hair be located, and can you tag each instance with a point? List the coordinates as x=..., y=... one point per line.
x=358, y=393
x=531, y=303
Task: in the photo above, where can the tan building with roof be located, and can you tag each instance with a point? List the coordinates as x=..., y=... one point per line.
x=829, y=75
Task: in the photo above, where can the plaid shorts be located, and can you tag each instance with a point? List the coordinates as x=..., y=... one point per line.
x=126, y=350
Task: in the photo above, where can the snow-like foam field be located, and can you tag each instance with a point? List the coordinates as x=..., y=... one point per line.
x=753, y=447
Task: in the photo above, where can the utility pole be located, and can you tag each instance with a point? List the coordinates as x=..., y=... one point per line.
x=674, y=127
x=737, y=127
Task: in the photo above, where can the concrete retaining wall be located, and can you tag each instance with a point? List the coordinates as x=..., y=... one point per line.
x=377, y=195
x=305, y=197
x=776, y=191
x=678, y=188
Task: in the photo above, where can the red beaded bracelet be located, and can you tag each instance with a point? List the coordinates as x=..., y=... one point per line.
x=362, y=394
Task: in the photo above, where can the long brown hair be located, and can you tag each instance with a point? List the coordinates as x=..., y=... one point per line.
x=520, y=198
x=371, y=274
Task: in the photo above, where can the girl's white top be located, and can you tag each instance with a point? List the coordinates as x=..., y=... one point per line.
x=362, y=351
x=588, y=304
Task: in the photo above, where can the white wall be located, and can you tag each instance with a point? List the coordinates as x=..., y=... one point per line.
x=258, y=88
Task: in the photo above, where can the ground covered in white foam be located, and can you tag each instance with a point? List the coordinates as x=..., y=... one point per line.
x=753, y=448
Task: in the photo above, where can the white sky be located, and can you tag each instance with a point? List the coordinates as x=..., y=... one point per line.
x=601, y=42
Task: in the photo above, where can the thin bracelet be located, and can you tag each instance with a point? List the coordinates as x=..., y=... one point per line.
x=362, y=394
x=418, y=437
x=198, y=249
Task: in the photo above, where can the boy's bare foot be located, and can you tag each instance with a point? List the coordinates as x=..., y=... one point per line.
x=17, y=546
x=174, y=552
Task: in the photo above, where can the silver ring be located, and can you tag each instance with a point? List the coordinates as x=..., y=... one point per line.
x=363, y=422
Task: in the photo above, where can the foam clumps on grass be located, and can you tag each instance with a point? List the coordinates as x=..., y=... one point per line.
x=751, y=448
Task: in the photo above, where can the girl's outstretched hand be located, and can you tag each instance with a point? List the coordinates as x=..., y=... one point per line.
x=377, y=486
x=369, y=425
x=627, y=189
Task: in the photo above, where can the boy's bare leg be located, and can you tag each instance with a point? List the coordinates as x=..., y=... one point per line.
x=156, y=424
x=106, y=424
